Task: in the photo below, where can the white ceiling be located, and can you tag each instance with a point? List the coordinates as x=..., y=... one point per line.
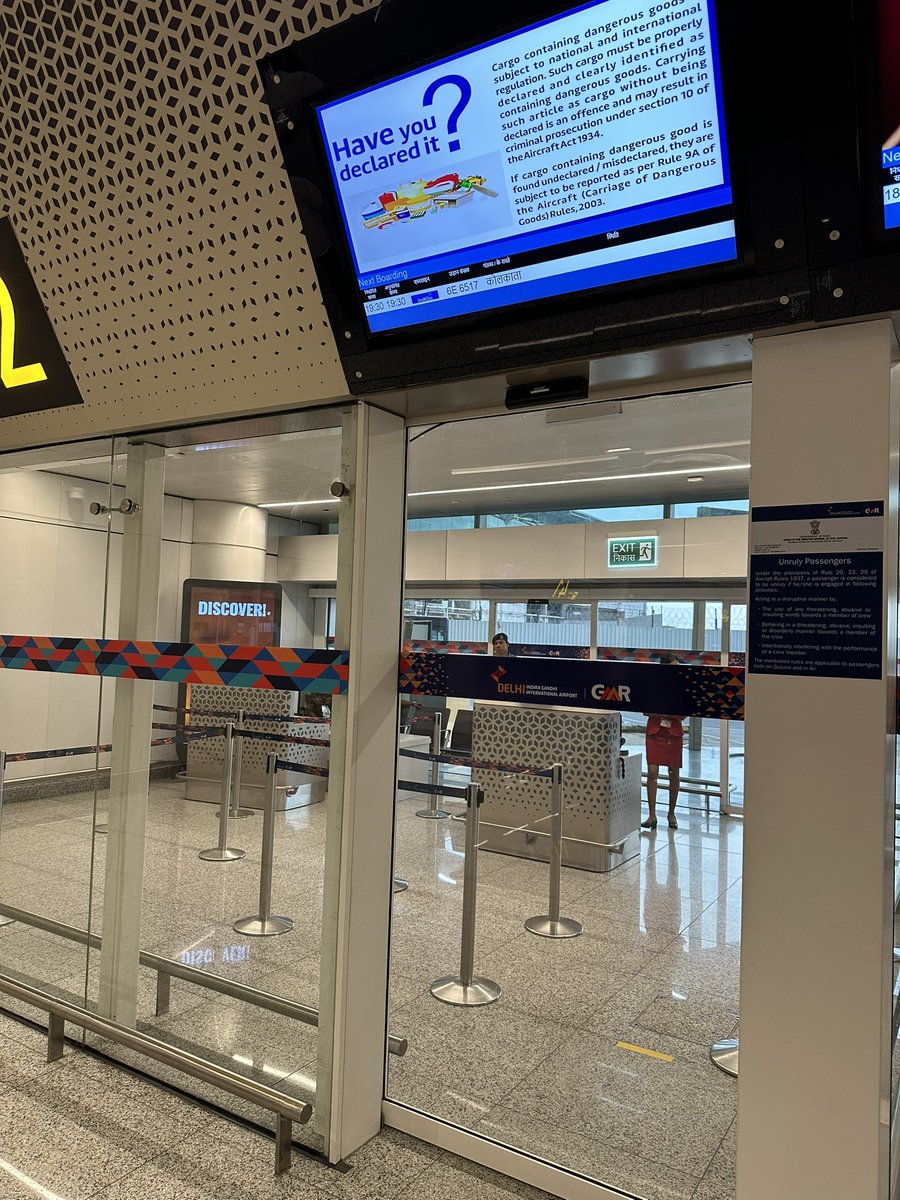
x=575, y=456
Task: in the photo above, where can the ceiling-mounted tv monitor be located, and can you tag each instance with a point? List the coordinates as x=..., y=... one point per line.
x=583, y=150
x=888, y=110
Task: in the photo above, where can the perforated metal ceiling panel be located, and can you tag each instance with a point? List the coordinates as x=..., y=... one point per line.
x=146, y=187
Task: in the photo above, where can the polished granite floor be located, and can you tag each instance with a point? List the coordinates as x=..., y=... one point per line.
x=81, y=1129
x=595, y=1057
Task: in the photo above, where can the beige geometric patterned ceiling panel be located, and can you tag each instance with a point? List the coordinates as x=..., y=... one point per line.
x=146, y=187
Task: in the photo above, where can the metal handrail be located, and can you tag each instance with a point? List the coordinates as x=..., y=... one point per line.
x=613, y=847
x=711, y=787
x=168, y=967
x=286, y=1110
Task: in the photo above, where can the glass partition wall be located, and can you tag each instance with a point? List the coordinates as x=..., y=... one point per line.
x=588, y=1051
x=60, y=536
x=170, y=818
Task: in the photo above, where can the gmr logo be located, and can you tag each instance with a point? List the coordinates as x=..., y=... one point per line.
x=621, y=694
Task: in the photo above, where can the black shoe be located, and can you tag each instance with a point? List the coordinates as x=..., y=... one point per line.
x=649, y=824
x=673, y=824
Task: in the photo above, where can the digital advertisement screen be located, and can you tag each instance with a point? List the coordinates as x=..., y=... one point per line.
x=232, y=613
x=585, y=150
x=889, y=108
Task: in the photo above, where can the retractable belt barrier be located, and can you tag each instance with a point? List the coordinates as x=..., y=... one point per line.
x=429, y=789
x=208, y=712
x=263, y=923
x=283, y=765
x=454, y=760
x=468, y=989
x=75, y=751
x=259, y=736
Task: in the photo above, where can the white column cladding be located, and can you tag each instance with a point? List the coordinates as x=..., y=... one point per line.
x=358, y=852
x=817, y=904
x=131, y=734
x=229, y=541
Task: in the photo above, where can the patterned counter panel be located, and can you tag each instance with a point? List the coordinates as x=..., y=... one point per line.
x=204, y=758
x=602, y=790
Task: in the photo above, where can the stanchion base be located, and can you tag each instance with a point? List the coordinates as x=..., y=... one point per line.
x=725, y=1056
x=437, y=815
x=452, y=990
x=263, y=926
x=104, y=828
x=241, y=813
x=458, y=816
x=565, y=927
x=6, y=921
x=229, y=854
x=400, y=885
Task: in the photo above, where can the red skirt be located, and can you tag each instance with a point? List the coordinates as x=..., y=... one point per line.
x=664, y=747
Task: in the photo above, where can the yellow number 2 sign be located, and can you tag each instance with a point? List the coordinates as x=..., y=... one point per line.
x=35, y=374
x=10, y=375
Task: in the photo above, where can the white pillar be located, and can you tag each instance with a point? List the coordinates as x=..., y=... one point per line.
x=228, y=541
x=358, y=867
x=131, y=733
x=816, y=946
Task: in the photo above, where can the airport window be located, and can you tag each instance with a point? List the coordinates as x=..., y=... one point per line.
x=425, y=524
x=641, y=512
x=711, y=508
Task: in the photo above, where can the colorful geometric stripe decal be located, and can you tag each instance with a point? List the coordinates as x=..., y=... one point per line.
x=420, y=647
x=283, y=668
x=693, y=658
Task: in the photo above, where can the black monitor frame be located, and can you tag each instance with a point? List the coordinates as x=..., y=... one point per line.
x=792, y=121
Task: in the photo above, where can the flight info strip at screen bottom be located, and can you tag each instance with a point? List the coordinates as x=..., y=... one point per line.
x=498, y=282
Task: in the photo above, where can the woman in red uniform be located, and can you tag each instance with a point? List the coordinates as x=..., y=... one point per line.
x=665, y=738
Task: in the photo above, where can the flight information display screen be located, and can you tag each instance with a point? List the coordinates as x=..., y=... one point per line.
x=585, y=150
x=889, y=109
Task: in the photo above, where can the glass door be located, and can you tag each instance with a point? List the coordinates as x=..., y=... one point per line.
x=60, y=533
x=164, y=830
x=566, y=1007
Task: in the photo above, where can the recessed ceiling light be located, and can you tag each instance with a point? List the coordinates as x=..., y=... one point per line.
x=695, y=478
x=618, y=449
x=515, y=487
x=699, y=446
x=529, y=466
x=294, y=503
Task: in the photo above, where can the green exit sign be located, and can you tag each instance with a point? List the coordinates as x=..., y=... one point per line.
x=633, y=552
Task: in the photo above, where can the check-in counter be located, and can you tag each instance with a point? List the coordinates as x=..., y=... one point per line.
x=602, y=786
x=294, y=789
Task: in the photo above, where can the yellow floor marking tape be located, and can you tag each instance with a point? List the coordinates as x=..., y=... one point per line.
x=644, y=1050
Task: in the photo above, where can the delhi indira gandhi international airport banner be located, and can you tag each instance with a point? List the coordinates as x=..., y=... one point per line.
x=672, y=689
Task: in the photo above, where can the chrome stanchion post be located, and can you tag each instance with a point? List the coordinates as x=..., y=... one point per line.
x=725, y=1055
x=434, y=813
x=3, y=920
x=400, y=885
x=552, y=924
x=223, y=852
x=467, y=988
x=262, y=923
x=236, y=810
